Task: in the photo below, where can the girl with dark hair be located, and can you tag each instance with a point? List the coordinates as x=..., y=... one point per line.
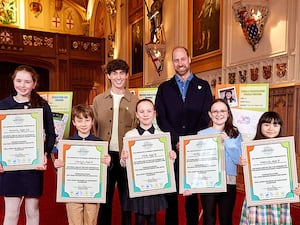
x=222, y=122
x=229, y=98
x=269, y=126
x=14, y=185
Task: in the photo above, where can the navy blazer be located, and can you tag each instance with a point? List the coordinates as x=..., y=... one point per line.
x=183, y=117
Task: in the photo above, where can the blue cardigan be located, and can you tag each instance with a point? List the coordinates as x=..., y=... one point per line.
x=233, y=150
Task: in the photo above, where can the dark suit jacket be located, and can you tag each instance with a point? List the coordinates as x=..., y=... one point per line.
x=183, y=118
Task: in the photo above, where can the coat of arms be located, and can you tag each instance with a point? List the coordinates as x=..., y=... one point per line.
x=254, y=73
x=281, y=69
x=243, y=76
x=231, y=77
x=267, y=72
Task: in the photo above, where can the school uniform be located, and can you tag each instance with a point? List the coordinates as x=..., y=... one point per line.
x=147, y=205
x=27, y=183
x=82, y=213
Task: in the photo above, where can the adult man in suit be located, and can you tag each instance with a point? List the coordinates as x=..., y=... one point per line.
x=182, y=105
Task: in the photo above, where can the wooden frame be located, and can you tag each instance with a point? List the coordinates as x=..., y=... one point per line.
x=201, y=164
x=150, y=151
x=83, y=177
x=271, y=174
x=22, y=139
x=137, y=46
x=205, y=24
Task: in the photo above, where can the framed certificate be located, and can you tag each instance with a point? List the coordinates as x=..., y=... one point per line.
x=21, y=137
x=270, y=175
x=201, y=164
x=83, y=177
x=149, y=168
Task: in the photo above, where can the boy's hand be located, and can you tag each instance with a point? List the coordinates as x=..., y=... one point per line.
x=172, y=155
x=58, y=163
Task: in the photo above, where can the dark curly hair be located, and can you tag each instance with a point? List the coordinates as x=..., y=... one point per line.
x=117, y=64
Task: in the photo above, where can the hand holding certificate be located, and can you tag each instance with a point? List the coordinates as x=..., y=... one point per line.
x=202, y=165
x=22, y=141
x=270, y=175
x=149, y=169
x=83, y=176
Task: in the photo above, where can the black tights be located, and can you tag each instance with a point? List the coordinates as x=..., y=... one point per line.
x=140, y=219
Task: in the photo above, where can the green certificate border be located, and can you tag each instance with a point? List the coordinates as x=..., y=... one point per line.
x=220, y=185
x=61, y=194
x=170, y=185
x=37, y=115
x=254, y=164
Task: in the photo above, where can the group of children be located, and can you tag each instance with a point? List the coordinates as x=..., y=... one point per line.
x=145, y=208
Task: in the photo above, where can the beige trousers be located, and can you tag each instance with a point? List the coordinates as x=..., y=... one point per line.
x=82, y=213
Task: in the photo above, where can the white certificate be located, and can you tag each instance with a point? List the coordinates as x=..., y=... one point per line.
x=149, y=168
x=22, y=145
x=83, y=177
x=202, y=164
x=271, y=174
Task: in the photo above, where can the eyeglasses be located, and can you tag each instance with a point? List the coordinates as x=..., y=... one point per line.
x=222, y=112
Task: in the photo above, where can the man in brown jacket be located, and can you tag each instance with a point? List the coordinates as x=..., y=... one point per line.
x=114, y=115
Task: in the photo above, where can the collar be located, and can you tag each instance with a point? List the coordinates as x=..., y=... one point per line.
x=178, y=79
x=142, y=130
x=127, y=94
x=77, y=137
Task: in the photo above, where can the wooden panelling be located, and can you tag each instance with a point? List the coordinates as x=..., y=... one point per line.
x=285, y=101
x=136, y=80
x=135, y=10
x=87, y=80
x=74, y=62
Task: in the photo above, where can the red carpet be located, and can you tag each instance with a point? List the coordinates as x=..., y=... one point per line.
x=53, y=213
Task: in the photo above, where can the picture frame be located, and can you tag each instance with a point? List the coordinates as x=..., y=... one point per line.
x=137, y=46
x=149, y=168
x=201, y=164
x=270, y=175
x=205, y=34
x=223, y=92
x=22, y=139
x=83, y=178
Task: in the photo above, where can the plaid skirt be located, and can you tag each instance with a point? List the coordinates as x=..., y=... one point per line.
x=276, y=214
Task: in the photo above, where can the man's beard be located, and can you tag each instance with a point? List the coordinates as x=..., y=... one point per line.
x=182, y=72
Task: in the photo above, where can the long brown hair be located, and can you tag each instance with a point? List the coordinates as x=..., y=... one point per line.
x=231, y=130
x=35, y=99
